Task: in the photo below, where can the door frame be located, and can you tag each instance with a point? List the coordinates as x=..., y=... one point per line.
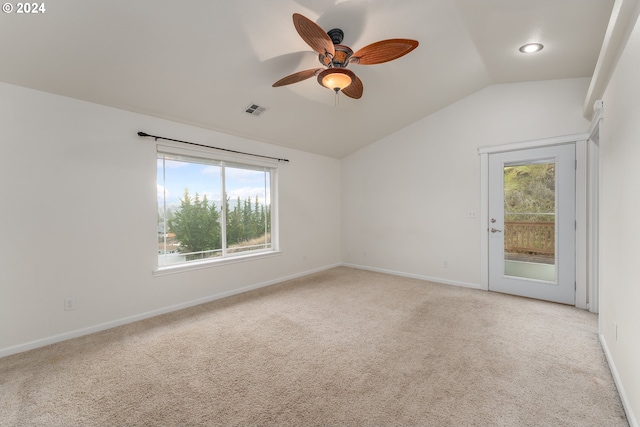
x=581, y=141
x=593, y=207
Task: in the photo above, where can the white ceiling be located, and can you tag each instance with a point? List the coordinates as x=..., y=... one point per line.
x=202, y=62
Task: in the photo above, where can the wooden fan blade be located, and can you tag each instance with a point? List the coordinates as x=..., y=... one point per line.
x=313, y=35
x=383, y=51
x=354, y=90
x=297, y=77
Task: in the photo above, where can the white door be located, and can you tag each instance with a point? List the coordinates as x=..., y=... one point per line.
x=532, y=223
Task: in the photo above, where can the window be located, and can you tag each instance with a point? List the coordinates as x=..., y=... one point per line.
x=212, y=207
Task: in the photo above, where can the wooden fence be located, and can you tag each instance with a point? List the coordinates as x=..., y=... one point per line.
x=529, y=237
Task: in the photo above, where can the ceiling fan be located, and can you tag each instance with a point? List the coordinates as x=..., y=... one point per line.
x=335, y=57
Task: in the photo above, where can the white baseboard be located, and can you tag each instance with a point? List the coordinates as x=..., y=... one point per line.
x=416, y=276
x=631, y=418
x=123, y=321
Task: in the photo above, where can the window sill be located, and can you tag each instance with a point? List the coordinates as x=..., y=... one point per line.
x=199, y=265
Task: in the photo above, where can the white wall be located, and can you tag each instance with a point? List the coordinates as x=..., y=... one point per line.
x=78, y=218
x=619, y=224
x=405, y=198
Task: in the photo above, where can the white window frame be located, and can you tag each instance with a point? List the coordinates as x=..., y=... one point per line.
x=236, y=158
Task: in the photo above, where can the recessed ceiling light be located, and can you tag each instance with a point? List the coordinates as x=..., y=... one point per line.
x=531, y=48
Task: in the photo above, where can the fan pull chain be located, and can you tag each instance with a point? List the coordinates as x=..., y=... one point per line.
x=336, y=101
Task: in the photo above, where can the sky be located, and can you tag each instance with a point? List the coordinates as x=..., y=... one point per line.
x=205, y=179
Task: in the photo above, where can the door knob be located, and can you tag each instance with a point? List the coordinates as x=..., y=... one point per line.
x=495, y=230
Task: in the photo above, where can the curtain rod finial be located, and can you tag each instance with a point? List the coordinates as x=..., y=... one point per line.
x=143, y=134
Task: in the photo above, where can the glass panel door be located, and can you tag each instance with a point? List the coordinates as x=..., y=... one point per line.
x=532, y=223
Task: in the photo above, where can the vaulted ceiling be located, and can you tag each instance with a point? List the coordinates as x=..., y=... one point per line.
x=203, y=62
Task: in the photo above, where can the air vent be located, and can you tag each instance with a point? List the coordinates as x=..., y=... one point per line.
x=255, y=110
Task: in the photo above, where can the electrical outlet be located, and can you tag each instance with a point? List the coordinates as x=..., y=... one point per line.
x=69, y=304
x=472, y=214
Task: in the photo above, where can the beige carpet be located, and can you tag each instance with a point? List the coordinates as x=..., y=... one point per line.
x=343, y=347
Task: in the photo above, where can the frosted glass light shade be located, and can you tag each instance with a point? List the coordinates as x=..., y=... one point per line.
x=336, y=78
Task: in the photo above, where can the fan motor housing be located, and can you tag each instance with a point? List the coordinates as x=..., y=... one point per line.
x=340, y=59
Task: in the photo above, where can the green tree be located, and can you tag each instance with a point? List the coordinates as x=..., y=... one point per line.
x=234, y=223
x=248, y=219
x=530, y=189
x=258, y=218
x=196, y=225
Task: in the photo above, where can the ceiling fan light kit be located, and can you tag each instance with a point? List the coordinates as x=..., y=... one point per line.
x=335, y=57
x=336, y=79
